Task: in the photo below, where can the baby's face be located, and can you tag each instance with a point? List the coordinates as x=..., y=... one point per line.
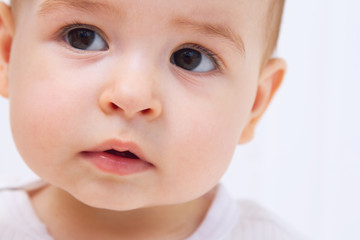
x=172, y=82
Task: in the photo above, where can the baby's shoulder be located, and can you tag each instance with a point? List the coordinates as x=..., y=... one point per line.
x=257, y=223
x=229, y=219
x=17, y=216
x=12, y=216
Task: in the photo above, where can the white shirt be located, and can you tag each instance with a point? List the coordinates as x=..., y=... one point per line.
x=226, y=219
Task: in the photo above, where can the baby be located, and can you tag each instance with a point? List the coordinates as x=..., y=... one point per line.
x=130, y=112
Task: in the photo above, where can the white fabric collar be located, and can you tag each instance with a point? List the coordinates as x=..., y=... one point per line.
x=221, y=218
x=218, y=224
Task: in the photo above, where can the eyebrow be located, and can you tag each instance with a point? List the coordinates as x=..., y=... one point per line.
x=48, y=6
x=218, y=30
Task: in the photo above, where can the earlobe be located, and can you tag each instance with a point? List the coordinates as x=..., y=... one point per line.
x=6, y=36
x=269, y=81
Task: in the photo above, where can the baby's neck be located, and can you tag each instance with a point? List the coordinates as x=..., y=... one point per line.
x=67, y=218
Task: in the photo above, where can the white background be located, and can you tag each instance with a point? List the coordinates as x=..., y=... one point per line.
x=304, y=163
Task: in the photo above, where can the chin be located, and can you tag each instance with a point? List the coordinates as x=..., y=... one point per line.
x=109, y=201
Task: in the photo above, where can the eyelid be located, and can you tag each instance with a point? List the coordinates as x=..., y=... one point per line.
x=218, y=62
x=68, y=27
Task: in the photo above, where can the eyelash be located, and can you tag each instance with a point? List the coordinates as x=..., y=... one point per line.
x=213, y=56
x=61, y=34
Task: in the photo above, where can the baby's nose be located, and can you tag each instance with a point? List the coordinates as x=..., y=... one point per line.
x=133, y=92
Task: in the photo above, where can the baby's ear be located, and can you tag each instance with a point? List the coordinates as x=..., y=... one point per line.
x=269, y=82
x=6, y=36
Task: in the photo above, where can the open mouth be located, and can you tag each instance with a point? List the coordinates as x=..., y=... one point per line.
x=124, y=154
x=118, y=158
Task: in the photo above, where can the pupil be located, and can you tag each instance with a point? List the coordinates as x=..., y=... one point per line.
x=187, y=58
x=81, y=38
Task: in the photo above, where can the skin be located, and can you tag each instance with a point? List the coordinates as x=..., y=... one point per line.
x=187, y=124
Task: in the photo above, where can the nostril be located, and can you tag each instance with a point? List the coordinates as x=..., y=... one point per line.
x=113, y=106
x=146, y=111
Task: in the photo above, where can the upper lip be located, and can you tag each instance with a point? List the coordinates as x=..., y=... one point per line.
x=120, y=146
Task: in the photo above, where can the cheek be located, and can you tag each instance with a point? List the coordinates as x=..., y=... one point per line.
x=38, y=123
x=43, y=107
x=213, y=124
x=213, y=136
x=203, y=142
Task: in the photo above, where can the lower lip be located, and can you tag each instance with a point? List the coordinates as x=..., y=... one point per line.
x=117, y=165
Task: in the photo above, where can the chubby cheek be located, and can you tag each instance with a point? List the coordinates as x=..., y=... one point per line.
x=40, y=116
x=38, y=126
x=205, y=143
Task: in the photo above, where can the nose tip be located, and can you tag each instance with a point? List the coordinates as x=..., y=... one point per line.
x=130, y=103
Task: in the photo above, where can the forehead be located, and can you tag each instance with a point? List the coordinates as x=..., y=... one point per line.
x=189, y=3
x=230, y=10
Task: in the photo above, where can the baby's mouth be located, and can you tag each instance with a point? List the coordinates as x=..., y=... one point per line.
x=119, y=160
x=124, y=154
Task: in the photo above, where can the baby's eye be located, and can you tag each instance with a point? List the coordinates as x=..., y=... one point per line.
x=86, y=39
x=193, y=60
